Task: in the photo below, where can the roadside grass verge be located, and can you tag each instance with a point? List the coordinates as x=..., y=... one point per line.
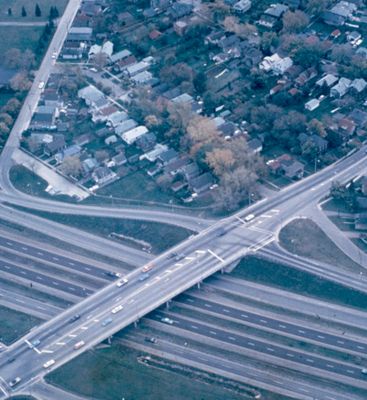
x=304, y=238
x=20, y=37
x=140, y=234
x=15, y=324
x=299, y=282
x=16, y=7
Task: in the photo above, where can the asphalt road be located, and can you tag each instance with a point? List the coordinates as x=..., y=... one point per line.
x=276, y=324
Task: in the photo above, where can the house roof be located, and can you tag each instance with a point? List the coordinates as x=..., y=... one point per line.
x=120, y=55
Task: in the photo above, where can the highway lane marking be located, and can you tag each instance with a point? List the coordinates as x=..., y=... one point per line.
x=282, y=326
x=301, y=331
x=194, y=327
x=270, y=349
x=225, y=310
x=244, y=315
x=304, y=390
x=340, y=341
x=189, y=258
x=207, y=305
x=39, y=278
x=55, y=258
x=330, y=366
x=200, y=251
x=290, y=355
x=232, y=338
x=360, y=347
x=275, y=210
x=309, y=360
x=251, y=344
x=350, y=371
x=212, y=332
x=263, y=321
x=47, y=351
x=72, y=335
x=84, y=328
x=216, y=256
x=321, y=337
x=61, y=343
x=96, y=320
x=4, y=391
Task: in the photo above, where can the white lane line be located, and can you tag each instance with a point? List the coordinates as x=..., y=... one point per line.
x=270, y=349
x=194, y=327
x=4, y=391
x=340, y=341
x=330, y=366
x=231, y=338
x=226, y=311
x=282, y=326
x=47, y=351
x=309, y=360
x=290, y=355
x=61, y=343
x=207, y=305
x=179, y=265
x=189, y=258
x=96, y=320
x=251, y=344
x=360, y=347
x=72, y=335
x=84, y=328
x=321, y=337
x=263, y=321
x=212, y=332
x=301, y=331
x=200, y=251
x=216, y=256
x=244, y=315
x=9, y=244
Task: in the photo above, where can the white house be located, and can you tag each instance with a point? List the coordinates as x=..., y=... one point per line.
x=312, y=104
x=276, y=64
x=130, y=136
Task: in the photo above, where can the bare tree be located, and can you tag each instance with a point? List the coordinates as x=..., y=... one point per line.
x=294, y=22
x=71, y=166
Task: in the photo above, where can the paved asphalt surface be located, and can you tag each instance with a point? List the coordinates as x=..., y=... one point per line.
x=276, y=324
x=212, y=249
x=204, y=254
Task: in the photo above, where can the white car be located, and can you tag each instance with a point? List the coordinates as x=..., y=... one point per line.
x=15, y=381
x=117, y=309
x=41, y=85
x=54, y=55
x=168, y=321
x=249, y=217
x=49, y=363
x=79, y=345
x=122, y=282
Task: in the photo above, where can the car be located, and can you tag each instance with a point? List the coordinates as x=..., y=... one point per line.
x=364, y=371
x=147, y=268
x=143, y=277
x=151, y=339
x=54, y=55
x=41, y=85
x=93, y=69
x=249, y=217
x=35, y=343
x=106, y=322
x=166, y=320
x=172, y=255
x=15, y=381
x=79, y=345
x=113, y=274
x=122, y=282
x=74, y=318
x=49, y=363
x=117, y=309
x=10, y=360
x=221, y=232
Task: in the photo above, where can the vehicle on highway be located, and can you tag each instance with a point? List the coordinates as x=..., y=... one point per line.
x=106, y=322
x=15, y=381
x=122, y=282
x=143, y=277
x=147, y=268
x=35, y=343
x=41, y=85
x=74, y=318
x=168, y=321
x=249, y=217
x=113, y=274
x=117, y=309
x=49, y=363
x=172, y=255
x=364, y=371
x=10, y=360
x=54, y=55
x=79, y=345
x=151, y=339
x=221, y=232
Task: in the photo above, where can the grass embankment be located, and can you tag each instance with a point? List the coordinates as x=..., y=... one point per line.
x=297, y=281
x=305, y=238
x=15, y=324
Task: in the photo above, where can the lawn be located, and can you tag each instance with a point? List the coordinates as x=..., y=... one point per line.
x=114, y=373
x=16, y=7
x=15, y=324
x=140, y=234
x=297, y=281
x=22, y=38
x=305, y=238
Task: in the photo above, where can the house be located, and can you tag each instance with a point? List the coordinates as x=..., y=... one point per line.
x=312, y=104
x=364, y=185
x=346, y=127
x=359, y=117
x=146, y=142
x=51, y=98
x=131, y=135
x=70, y=151
x=103, y=175
x=102, y=114
x=143, y=78
x=168, y=156
x=121, y=55
x=175, y=167
x=353, y=37
x=119, y=159
x=89, y=164
x=340, y=13
x=255, y=145
x=180, y=27
x=292, y=169
x=136, y=68
x=54, y=146
x=276, y=64
x=358, y=85
x=84, y=139
x=116, y=118
x=305, y=76
x=320, y=143
x=202, y=183
x=341, y=88
x=79, y=34
x=242, y=6
x=190, y=171
x=161, y=4
x=125, y=126
x=153, y=155
x=44, y=120
x=92, y=97
x=327, y=80
x=272, y=14
x=112, y=139
x=179, y=10
x=215, y=37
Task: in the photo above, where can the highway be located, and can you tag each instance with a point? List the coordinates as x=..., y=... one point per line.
x=211, y=250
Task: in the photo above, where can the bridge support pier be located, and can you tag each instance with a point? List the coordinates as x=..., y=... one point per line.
x=199, y=285
x=109, y=340
x=136, y=323
x=168, y=304
x=230, y=267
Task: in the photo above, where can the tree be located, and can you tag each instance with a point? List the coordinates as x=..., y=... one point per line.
x=11, y=58
x=220, y=161
x=12, y=107
x=316, y=127
x=20, y=82
x=71, y=166
x=10, y=12
x=232, y=24
x=6, y=118
x=24, y=12
x=342, y=53
x=180, y=116
x=201, y=131
x=37, y=11
x=4, y=129
x=100, y=60
x=294, y=22
x=316, y=7
x=54, y=13
x=200, y=82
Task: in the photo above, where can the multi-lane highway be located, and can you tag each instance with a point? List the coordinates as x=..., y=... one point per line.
x=202, y=255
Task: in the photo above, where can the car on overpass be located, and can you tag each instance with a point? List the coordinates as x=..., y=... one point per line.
x=147, y=267
x=168, y=321
x=15, y=381
x=122, y=282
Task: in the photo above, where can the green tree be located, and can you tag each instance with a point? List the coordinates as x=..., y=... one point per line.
x=24, y=12
x=10, y=12
x=200, y=83
x=37, y=11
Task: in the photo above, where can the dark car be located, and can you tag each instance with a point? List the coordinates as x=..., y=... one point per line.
x=151, y=339
x=74, y=318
